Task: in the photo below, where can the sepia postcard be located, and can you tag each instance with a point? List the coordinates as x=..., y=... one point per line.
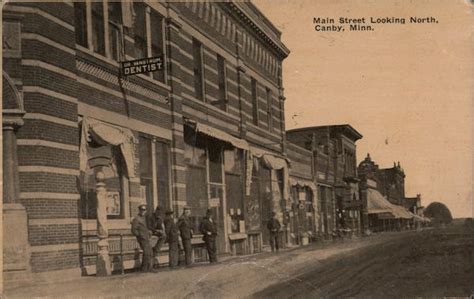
x=237, y=149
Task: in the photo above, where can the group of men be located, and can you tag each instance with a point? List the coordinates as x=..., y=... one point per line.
x=166, y=229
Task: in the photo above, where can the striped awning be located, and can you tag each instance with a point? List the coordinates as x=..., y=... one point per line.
x=219, y=134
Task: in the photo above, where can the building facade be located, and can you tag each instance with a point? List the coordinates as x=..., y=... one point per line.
x=390, y=181
x=383, y=196
x=303, y=215
x=86, y=144
x=335, y=170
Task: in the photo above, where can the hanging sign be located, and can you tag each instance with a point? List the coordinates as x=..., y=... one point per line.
x=144, y=65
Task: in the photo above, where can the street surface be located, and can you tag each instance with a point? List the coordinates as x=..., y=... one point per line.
x=427, y=263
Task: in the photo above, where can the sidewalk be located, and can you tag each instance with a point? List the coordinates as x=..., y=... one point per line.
x=233, y=277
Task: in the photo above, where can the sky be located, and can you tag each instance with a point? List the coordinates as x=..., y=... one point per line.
x=407, y=88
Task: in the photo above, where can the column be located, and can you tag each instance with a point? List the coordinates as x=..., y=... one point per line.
x=10, y=160
x=103, y=266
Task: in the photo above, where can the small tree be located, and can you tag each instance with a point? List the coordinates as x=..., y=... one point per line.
x=438, y=213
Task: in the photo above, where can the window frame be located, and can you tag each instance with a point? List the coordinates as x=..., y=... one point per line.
x=222, y=82
x=198, y=70
x=155, y=176
x=254, y=93
x=268, y=94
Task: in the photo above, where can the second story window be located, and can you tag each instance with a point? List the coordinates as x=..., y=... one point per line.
x=80, y=19
x=115, y=30
x=157, y=33
x=222, y=77
x=98, y=27
x=254, y=102
x=140, y=30
x=198, y=70
x=98, y=42
x=149, y=35
x=269, y=109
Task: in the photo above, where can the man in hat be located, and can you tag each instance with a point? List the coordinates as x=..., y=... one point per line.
x=172, y=237
x=143, y=234
x=274, y=226
x=155, y=224
x=208, y=228
x=185, y=226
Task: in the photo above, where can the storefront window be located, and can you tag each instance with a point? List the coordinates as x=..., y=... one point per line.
x=234, y=186
x=154, y=154
x=196, y=176
x=162, y=153
x=253, y=216
x=215, y=163
x=146, y=171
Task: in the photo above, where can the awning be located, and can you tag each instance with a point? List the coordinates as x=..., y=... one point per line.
x=377, y=204
x=303, y=183
x=401, y=212
x=221, y=135
x=104, y=134
x=274, y=162
x=420, y=218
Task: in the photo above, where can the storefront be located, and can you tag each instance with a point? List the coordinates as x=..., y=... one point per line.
x=120, y=168
x=303, y=214
x=242, y=185
x=214, y=180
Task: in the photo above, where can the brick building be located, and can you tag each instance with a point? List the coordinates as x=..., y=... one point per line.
x=383, y=196
x=390, y=181
x=335, y=170
x=207, y=131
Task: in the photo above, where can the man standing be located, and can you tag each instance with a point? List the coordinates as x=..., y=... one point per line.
x=274, y=226
x=172, y=237
x=186, y=229
x=155, y=224
x=208, y=228
x=143, y=234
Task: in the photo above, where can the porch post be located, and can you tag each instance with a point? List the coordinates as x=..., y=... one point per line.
x=103, y=266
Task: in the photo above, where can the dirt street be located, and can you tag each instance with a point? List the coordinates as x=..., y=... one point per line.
x=428, y=263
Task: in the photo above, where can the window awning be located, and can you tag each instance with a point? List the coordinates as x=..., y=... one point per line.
x=218, y=134
x=104, y=134
x=303, y=183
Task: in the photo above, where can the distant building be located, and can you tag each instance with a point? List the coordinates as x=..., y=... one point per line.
x=335, y=168
x=413, y=204
x=383, y=195
x=390, y=181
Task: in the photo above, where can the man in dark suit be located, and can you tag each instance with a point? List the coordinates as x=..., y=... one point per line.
x=172, y=237
x=143, y=234
x=208, y=228
x=155, y=224
x=274, y=226
x=185, y=226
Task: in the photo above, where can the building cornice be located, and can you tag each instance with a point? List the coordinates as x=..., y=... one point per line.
x=258, y=24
